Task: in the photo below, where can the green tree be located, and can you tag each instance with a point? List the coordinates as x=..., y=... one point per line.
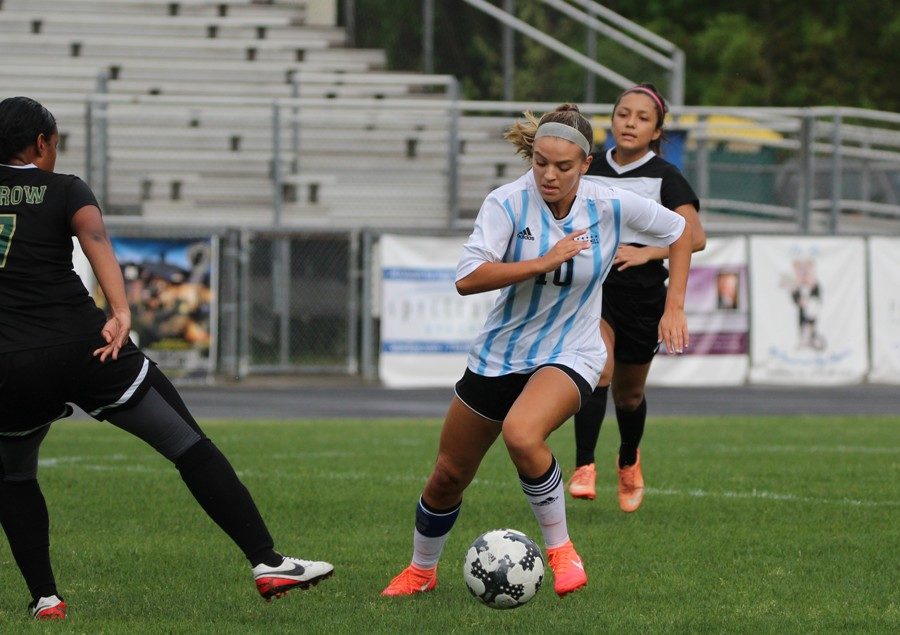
x=739, y=52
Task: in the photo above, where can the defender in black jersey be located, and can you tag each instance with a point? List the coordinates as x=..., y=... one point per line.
x=634, y=292
x=57, y=347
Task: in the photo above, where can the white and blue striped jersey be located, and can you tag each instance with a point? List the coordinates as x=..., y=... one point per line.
x=553, y=318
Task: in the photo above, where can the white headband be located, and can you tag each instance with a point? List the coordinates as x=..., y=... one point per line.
x=561, y=130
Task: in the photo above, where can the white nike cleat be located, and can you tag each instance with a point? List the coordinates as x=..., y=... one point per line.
x=48, y=608
x=290, y=574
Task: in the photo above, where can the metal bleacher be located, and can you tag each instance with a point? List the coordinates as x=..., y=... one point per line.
x=181, y=95
x=247, y=112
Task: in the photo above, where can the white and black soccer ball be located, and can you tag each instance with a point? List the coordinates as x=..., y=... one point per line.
x=504, y=568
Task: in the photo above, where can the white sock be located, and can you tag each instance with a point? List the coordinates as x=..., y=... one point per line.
x=432, y=529
x=427, y=550
x=547, y=497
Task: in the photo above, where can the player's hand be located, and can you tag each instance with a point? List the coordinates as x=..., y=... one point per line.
x=630, y=256
x=115, y=333
x=564, y=250
x=673, y=331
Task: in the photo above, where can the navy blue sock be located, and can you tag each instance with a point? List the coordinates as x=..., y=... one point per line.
x=432, y=530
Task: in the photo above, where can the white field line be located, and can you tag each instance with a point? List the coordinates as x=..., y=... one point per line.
x=355, y=475
x=795, y=449
x=772, y=496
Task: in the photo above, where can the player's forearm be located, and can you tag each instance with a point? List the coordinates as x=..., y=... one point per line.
x=99, y=252
x=679, y=266
x=496, y=275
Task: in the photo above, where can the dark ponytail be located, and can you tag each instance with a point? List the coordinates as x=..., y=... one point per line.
x=22, y=120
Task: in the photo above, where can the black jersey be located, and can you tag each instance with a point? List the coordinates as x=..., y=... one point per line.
x=42, y=300
x=651, y=177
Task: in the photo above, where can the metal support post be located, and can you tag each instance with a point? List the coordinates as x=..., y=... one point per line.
x=509, y=54
x=837, y=175
x=806, y=174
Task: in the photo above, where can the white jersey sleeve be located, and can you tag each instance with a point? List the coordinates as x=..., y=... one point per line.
x=660, y=225
x=489, y=239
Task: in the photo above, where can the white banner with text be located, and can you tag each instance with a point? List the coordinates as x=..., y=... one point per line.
x=426, y=326
x=884, y=303
x=808, y=310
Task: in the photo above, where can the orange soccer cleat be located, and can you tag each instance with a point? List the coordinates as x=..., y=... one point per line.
x=412, y=580
x=581, y=485
x=631, y=485
x=568, y=570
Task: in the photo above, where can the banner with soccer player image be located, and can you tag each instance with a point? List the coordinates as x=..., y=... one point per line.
x=716, y=307
x=884, y=300
x=426, y=326
x=169, y=286
x=808, y=310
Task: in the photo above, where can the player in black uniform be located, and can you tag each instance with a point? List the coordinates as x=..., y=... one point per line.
x=634, y=292
x=57, y=347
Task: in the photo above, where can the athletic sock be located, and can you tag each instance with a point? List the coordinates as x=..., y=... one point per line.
x=545, y=494
x=588, y=421
x=432, y=529
x=631, y=429
x=24, y=517
x=211, y=479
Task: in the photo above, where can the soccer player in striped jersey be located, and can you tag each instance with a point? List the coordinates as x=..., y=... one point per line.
x=634, y=293
x=57, y=347
x=547, y=241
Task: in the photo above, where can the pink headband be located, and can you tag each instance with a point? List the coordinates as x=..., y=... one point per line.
x=647, y=91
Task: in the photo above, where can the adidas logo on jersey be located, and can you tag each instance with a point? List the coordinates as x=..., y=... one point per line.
x=525, y=234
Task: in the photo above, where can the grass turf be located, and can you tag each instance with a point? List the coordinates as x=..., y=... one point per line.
x=749, y=525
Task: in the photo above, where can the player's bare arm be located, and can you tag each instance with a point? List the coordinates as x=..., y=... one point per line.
x=496, y=275
x=87, y=225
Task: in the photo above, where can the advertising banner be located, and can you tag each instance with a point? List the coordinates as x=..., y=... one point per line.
x=716, y=307
x=884, y=303
x=426, y=326
x=808, y=310
x=169, y=285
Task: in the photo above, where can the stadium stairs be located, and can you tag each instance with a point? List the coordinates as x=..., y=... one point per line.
x=189, y=120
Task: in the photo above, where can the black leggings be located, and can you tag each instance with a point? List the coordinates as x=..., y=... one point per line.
x=160, y=419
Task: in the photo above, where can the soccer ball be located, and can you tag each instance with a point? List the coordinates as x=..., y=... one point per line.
x=503, y=568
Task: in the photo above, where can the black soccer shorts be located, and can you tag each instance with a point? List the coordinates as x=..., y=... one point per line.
x=36, y=384
x=634, y=314
x=493, y=397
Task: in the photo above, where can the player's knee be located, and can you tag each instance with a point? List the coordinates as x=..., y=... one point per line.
x=521, y=441
x=21, y=475
x=199, y=453
x=629, y=401
x=447, y=480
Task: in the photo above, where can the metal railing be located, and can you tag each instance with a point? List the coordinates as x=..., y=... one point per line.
x=434, y=158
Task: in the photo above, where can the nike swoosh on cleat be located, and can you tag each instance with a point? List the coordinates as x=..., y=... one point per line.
x=578, y=564
x=297, y=570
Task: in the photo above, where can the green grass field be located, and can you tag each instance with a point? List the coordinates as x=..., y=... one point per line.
x=780, y=525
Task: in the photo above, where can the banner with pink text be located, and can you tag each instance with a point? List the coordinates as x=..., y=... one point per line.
x=716, y=307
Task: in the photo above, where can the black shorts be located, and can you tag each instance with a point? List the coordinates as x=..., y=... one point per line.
x=634, y=314
x=492, y=397
x=36, y=384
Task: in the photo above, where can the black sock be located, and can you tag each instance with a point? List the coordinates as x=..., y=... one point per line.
x=211, y=479
x=588, y=421
x=24, y=517
x=631, y=429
